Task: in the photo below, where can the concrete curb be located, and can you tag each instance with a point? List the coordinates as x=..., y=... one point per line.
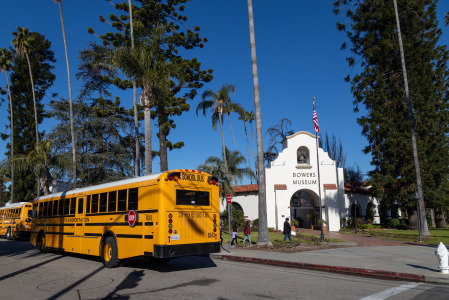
x=335, y=269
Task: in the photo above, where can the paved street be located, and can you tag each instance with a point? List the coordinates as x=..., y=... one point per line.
x=25, y=273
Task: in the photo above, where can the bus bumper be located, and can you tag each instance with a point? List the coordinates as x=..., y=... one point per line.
x=166, y=251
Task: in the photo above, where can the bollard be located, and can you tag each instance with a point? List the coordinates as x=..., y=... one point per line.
x=442, y=255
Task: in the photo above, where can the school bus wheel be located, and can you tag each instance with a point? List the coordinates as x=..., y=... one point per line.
x=42, y=243
x=8, y=234
x=109, y=255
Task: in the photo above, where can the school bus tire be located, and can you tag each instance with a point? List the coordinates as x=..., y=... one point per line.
x=42, y=242
x=109, y=252
x=8, y=234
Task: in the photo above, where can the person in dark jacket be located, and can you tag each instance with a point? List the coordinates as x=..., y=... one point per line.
x=287, y=230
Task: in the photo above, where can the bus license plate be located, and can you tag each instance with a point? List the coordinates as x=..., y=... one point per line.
x=174, y=237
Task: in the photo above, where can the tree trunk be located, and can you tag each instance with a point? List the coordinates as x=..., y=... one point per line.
x=72, y=131
x=148, y=153
x=440, y=218
x=163, y=149
x=412, y=218
x=225, y=160
x=254, y=153
x=264, y=238
x=432, y=218
x=422, y=207
x=249, y=157
x=12, y=135
x=34, y=97
x=136, y=119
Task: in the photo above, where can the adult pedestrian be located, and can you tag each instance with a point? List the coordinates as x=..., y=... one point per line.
x=287, y=230
x=234, y=234
x=247, y=232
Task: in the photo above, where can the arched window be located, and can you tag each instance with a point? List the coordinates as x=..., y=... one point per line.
x=303, y=156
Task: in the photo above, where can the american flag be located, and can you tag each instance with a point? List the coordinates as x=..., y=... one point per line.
x=315, y=119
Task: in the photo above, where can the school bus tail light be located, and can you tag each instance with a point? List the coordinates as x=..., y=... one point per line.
x=212, y=180
x=215, y=223
x=170, y=225
x=173, y=176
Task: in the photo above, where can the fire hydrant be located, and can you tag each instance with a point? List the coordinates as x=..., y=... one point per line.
x=442, y=255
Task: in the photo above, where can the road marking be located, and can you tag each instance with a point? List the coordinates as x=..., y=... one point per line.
x=393, y=291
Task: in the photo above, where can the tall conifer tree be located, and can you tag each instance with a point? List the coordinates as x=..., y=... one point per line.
x=379, y=87
x=41, y=59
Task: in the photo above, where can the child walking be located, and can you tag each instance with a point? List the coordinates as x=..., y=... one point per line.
x=234, y=234
x=247, y=232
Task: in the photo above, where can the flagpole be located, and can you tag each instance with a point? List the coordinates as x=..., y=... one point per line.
x=315, y=121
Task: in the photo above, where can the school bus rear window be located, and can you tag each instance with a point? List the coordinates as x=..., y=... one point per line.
x=198, y=198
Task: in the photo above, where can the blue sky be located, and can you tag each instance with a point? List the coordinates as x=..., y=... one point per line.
x=298, y=52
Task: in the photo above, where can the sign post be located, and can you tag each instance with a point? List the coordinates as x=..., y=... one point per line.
x=228, y=201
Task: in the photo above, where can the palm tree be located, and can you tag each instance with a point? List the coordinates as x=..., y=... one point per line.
x=244, y=117
x=5, y=65
x=263, y=225
x=220, y=103
x=277, y=134
x=230, y=107
x=72, y=131
x=40, y=161
x=150, y=73
x=136, y=119
x=22, y=43
x=227, y=178
x=251, y=116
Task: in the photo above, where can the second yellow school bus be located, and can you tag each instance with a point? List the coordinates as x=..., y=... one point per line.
x=15, y=220
x=165, y=215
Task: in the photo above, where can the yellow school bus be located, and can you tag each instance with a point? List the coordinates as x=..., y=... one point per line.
x=15, y=220
x=165, y=215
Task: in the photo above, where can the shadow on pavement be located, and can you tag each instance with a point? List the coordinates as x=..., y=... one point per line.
x=422, y=267
x=174, y=265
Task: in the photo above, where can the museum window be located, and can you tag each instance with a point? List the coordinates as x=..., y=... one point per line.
x=303, y=156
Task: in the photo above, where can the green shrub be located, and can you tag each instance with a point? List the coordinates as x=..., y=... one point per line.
x=237, y=217
x=393, y=223
x=255, y=224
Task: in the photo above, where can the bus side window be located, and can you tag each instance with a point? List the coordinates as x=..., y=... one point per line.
x=35, y=205
x=61, y=207
x=55, y=207
x=112, y=201
x=66, y=206
x=133, y=199
x=103, y=202
x=94, y=203
x=50, y=208
x=45, y=207
x=41, y=209
x=88, y=204
x=121, y=200
x=72, y=206
x=80, y=205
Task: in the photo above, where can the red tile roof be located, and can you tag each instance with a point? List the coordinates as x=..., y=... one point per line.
x=357, y=189
x=330, y=186
x=246, y=188
x=280, y=186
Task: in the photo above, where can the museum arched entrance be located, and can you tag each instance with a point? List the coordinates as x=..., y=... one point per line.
x=303, y=208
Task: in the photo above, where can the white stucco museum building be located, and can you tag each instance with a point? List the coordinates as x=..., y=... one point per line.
x=296, y=180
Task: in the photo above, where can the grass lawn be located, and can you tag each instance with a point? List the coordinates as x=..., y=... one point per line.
x=438, y=235
x=278, y=237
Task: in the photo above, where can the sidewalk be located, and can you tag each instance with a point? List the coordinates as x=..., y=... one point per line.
x=363, y=256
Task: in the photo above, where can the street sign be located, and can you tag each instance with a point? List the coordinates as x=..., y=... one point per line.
x=228, y=198
x=132, y=218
